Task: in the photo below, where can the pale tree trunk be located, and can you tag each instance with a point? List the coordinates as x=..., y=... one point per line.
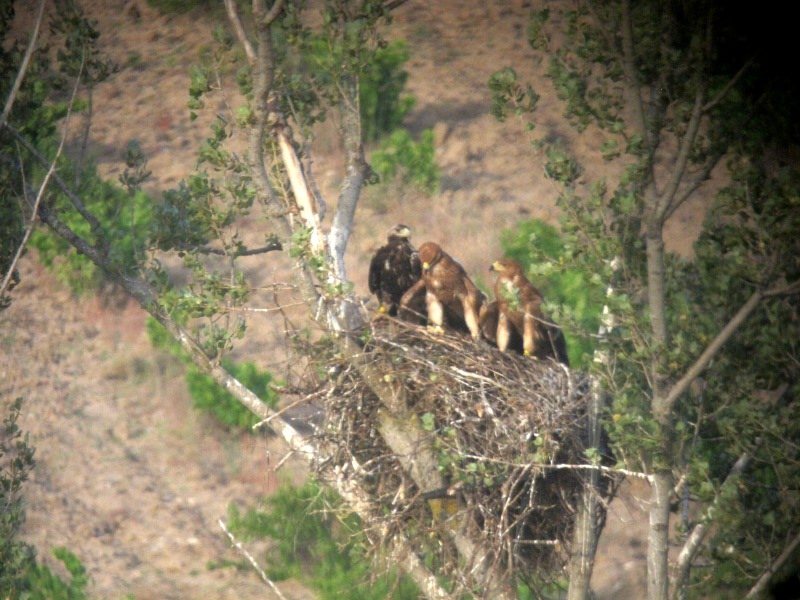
x=355, y=167
x=584, y=539
x=662, y=481
x=585, y=536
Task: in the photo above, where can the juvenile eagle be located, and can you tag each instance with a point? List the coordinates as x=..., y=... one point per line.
x=488, y=319
x=519, y=314
x=449, y=292
x=394, y=268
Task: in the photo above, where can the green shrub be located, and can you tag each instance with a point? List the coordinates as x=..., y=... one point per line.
x=402, y=159
x=125, y=220
x=314, y=545
x=207, y=395
x=16, y=462
x=43, y=584
x=381, y=85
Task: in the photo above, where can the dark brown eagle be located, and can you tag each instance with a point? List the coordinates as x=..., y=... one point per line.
x=517, y=312
x=450, y=295
x=394, y=268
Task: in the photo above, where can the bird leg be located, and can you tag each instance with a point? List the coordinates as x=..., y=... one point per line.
x=503, y=331
x=435, y=313
x=471, y=317
x=529, y=334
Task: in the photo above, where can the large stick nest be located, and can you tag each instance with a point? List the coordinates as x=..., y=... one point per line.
x=502, y=430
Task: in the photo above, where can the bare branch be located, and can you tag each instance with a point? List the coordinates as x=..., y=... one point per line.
x=276, y=246
x=250, y=558
x=236, y=23
x=301, y=193
x=629, y=66
x=722, y=337
x=392, y=4
x=696, y=181
x=66, y=189
x=24, y=66
x=693, y=542
x=728, y=87
x=669, y=200
x=273, y=13
x=758, y=589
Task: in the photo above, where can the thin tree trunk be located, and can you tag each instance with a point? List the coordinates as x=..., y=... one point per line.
x=683, y=563
x=658, y=534
x=584, y=543
x=350, y=191
x=658, y=537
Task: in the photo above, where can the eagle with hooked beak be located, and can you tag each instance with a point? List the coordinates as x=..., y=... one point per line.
x=518, y=310
x=394, y=268
x=449, y=292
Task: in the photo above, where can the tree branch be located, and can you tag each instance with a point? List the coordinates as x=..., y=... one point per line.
x=629, y=66
x=66, y=189
x=276, y=246
x=758, y=589
x=723, y=336
x=23, y=68
x=692, y=544
x=236, y=23
x=668, y=200
x=238, y=545
x=728, y=87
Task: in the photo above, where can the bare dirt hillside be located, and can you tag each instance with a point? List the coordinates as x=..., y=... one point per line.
x=129, y=477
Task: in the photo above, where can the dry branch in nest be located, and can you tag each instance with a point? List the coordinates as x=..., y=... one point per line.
x=502, y=428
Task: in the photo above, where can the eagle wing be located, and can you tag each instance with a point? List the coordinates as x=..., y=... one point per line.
x=459, y=297
x=376, y=269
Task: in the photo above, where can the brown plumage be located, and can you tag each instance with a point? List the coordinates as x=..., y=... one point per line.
x=488, y=319
x=394, y=268
x=450, y=295
x=519, y=315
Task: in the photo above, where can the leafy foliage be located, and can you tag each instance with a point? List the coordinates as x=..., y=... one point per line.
x=124, y=219
x=37, y=120
x=381, y=87
x=46, y=585
x=402, y=159
x=315, y=545
x=16, y=462
x=315, y=65
x=11, y=233
x=35, y=114
x=207, y=395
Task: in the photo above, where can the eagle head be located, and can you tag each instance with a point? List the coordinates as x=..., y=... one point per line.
x=429, y=253
x=399, y=231
x=506, y=265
